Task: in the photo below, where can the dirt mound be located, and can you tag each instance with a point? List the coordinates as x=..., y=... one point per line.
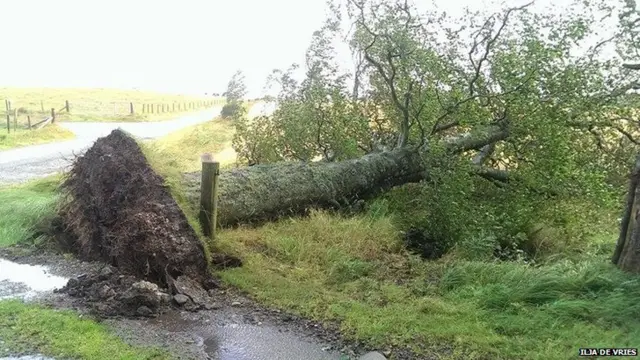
x=119, y=211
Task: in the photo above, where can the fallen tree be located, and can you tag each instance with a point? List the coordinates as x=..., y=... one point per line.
x=265, y=192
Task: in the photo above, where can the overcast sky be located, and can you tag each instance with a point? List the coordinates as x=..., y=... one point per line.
x=177, y=46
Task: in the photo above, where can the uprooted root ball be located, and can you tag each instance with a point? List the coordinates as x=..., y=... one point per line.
x=119, y=211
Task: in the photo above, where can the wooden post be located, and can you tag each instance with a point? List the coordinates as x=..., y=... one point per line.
x=173, y=108
x=131, y=108
x=42, y=106
x=209, y=195
x=29, y=121
x=15, y=120
x=53, y=115
x=158, y=108
x=66, y=105
x=6, y=104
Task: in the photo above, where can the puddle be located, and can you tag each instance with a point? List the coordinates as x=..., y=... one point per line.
x=223, y=335
x=25, y=282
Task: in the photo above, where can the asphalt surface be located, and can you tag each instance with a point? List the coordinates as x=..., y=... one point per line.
x=37, y=161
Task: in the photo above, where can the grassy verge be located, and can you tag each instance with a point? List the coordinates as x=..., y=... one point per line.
x=62, y=334
x=98, y=104
x=22, y=206
x=24, y=137
x=355, y=271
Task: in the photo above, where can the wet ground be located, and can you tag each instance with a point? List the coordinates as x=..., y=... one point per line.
x=235, y=328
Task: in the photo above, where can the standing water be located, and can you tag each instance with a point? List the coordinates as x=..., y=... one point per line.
x=25, y=282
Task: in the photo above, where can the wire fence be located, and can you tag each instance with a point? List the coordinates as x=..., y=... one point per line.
x=29, y=114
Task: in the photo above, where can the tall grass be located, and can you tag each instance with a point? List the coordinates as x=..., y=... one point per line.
x=22, y=206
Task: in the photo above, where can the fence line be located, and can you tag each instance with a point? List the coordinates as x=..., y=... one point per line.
x=120, y=108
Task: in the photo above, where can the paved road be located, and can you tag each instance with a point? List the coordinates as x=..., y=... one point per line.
x=19, y=165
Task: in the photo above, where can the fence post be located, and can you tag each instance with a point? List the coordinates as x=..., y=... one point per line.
x=6, y=104
x=42, y=106
x=209, y=195
x=131, y=107
x=66, y=105
x=173, y=107
x=15, y=120
x=29, y=121
x=53, y=115
x=158, y=108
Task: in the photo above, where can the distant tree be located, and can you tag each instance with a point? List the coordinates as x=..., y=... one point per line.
x=236, y=90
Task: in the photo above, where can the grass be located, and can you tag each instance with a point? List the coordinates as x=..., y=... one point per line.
x=22, y=206
x=95, y=104
x=24, y=137
x=355, y=271
x=62, y=334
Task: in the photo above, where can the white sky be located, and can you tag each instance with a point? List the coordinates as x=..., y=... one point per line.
x=167, y=45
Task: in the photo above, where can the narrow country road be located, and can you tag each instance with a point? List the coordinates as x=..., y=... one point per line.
x=37, y=161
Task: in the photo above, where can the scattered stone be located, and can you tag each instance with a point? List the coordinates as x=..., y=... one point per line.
x=212, y=306
x=236, y=303
x=164, y=297
x=181, y=299
x=374, y=355
x=144, y=311
x=187, y=286
x=145, y=286
x=142, y=293
x=106, y=271
x=106, y=292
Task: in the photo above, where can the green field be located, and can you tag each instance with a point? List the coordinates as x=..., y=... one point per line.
x=86, y=105
x=99, y=104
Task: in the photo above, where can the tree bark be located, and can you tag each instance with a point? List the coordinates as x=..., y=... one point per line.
x=627, y=253
x=264, y=192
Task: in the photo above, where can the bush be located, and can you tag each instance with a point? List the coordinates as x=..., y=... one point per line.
x=231, y=110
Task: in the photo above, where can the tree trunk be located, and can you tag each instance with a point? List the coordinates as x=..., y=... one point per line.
x=627, y=252
x=265, y=192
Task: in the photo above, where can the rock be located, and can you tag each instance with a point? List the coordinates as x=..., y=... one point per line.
x=145, y=286
x=142, y=293
x=164, y=297
x=212, y=292
x=144, y=311
x=374, y=355
x=106, y=271
x=180, y=299
x=211, y=284
x=187, y=286
x=236, y=303
x=106, y=292
x=72, y=283
x=212, y=306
